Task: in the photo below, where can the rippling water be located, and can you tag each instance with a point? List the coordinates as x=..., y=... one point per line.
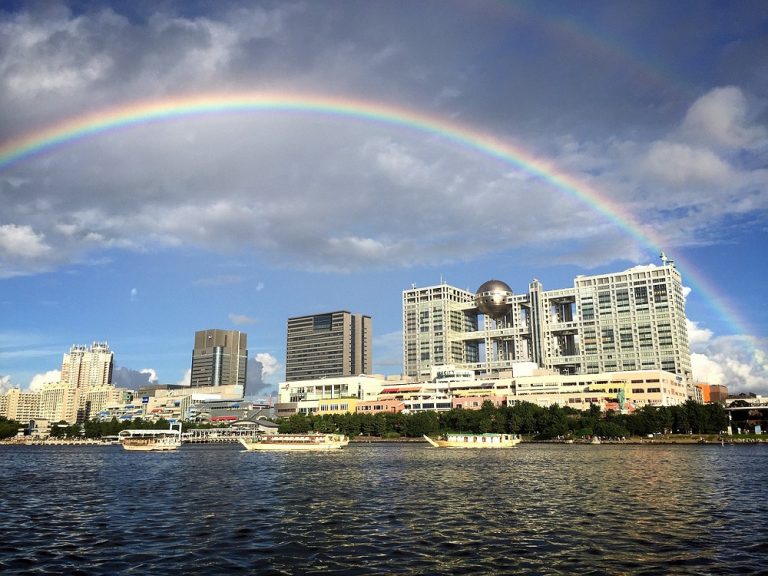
x=385, y=509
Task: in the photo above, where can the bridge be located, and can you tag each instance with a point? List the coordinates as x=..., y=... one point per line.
x=746, y=415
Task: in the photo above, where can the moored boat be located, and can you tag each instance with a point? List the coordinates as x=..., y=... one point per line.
x=474, y=441
x=310, y=441
x=151, y=440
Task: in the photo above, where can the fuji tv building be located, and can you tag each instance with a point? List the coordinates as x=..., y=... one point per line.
x=624, y=322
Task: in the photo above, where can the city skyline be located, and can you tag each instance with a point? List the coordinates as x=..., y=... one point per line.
x=235, y=165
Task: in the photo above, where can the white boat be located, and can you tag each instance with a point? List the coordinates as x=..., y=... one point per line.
x=475, y=441
x=151, y=440
x=309, y=441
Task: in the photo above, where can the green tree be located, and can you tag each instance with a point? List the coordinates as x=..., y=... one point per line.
x=421, y=423
x=610, y=429
x=8, y=428
x=294, y=424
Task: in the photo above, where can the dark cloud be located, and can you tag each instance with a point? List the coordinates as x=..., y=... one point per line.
x=123, y=377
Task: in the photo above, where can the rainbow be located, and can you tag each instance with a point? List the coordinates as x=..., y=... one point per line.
x=72, y=130
x=139, y=113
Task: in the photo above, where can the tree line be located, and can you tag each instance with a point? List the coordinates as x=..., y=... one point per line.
x=522, y=418
x=100, y=429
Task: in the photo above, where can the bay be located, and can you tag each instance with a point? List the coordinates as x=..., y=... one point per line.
x=385, y=509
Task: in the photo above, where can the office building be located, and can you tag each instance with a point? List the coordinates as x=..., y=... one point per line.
x=328, y=345
x=631, y=320
x=219, y=358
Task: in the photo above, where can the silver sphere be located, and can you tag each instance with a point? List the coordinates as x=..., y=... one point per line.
x=491, y=298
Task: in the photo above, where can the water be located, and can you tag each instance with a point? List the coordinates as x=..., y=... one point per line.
x=385, y=509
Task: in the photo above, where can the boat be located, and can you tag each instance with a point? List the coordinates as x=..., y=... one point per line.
x=475, y=441
x=595, y=440
x=151, y=440
x=315, y=441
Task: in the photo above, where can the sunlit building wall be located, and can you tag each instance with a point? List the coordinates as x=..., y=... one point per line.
x=84, y=367
x=305, y=396
x=59, y=402
x=631, y=320
x=20, y=406
x=713, y=393
x=633, y=389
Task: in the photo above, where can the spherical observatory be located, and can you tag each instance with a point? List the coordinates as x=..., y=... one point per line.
x=491, y=298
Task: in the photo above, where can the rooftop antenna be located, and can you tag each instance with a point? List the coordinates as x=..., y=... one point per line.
x=666, y=260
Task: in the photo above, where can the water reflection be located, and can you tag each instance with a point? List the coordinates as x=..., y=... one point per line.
x=384, y=509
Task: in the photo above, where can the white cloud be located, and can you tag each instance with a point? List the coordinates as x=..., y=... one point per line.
x=680, y=164
x=21, y=242
x=134, y=294
x=151, y=373
x=706, y=370
x=720, y=117
x=269, y=363
x=40, y=380
x=737, y=362
x=5, y=384
x=697, y=335
x=241, y=319
x=186, y=380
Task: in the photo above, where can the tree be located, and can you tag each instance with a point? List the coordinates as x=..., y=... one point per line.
x=610, y=429
x=294, y=424
x=422, y=423
x=8, y=428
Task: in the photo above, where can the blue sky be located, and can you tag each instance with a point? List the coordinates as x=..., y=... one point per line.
x=143, y=235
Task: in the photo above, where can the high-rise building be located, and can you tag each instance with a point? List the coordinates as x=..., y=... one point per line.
x=84, y=367
x=219, y=358
x=631, y=320
x=328, y=345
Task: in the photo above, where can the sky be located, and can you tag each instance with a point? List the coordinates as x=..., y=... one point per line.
x=168, y=167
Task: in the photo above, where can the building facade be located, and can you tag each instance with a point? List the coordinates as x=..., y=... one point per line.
x=336, y=395
x=84, y=389
x=334, y=344
x=219, y=358
x=84, y=367
x=620, y=391
x=18, y=405
x=631, y=320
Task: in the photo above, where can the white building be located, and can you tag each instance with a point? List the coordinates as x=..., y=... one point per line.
x=308, y=396
x=630, y=320
x=84, y=389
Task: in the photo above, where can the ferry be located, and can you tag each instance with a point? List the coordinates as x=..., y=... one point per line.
x=315, y=441
x=475, y=441
x=151, y=440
